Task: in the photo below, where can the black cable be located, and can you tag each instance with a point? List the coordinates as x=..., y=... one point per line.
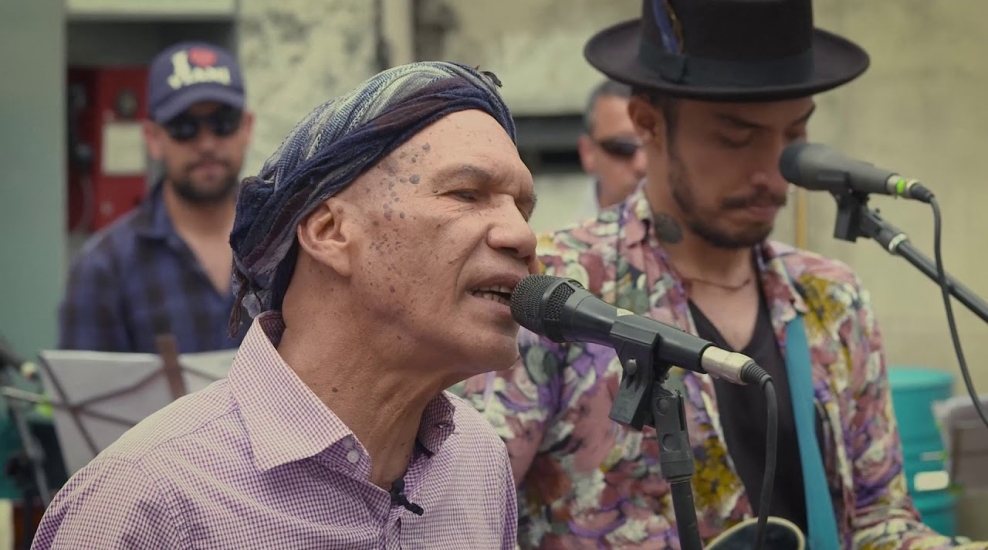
x=753, y=374
x=945, y=291
x=771, y=452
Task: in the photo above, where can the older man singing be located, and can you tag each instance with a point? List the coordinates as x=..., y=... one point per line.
x=376, y=250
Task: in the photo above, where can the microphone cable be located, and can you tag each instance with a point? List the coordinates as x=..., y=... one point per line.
x=764, y=381
x=951, y=323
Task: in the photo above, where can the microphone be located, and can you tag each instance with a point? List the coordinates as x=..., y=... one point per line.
x=563, y=311
x=398, y=497
x=816, y=167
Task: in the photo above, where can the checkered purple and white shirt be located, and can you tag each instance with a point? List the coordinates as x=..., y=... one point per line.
x=258, y=461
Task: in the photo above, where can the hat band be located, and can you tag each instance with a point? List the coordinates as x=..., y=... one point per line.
x=695, y=71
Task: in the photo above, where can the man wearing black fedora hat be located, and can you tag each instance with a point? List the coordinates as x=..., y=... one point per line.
x=720, y=88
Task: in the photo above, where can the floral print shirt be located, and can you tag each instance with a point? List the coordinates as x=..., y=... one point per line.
x=590, y=482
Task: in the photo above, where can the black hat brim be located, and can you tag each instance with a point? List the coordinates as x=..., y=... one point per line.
x=614, y=52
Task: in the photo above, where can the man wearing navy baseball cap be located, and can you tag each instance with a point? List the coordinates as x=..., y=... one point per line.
x=166, y=266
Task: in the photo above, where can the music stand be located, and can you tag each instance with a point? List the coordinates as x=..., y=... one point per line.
x=97, y=396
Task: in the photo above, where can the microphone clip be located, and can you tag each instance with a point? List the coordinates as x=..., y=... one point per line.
x=398, y=497
x=855, y=220
x=632, y=404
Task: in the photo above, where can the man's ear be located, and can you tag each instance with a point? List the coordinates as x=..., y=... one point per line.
x=247, y=124
x=154, y=137
x=585, y=147
x=325, y=236
x=648, y=121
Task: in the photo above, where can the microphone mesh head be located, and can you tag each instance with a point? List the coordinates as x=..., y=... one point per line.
x=526, y=301
x=789, y=162
x=532, y=292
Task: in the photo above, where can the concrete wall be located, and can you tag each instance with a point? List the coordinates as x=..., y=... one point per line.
x=297, y=54
x=32, y=190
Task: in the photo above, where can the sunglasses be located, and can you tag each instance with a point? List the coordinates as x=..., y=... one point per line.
x=622, y=148
x=222, y=122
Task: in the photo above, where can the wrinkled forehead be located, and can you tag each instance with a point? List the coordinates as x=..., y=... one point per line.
x=469, y=138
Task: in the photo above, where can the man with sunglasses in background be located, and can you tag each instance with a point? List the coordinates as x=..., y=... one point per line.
x=166, y=266
x=609, y=149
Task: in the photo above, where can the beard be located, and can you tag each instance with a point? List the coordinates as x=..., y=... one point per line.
x=204, y=193
x=703, y=222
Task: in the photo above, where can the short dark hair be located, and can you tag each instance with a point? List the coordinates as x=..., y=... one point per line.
x=606, y=88
x=663, y=102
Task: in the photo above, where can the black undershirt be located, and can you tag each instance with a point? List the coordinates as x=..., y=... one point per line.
x=743, y=414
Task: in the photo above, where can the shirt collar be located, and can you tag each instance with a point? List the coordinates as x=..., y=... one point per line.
x=636, y=220
x=152, y=220
x=293, y=423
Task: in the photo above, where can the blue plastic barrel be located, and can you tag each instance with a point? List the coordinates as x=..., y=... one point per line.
x=914, y=389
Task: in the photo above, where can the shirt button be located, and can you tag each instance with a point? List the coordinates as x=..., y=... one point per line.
x=353, y=456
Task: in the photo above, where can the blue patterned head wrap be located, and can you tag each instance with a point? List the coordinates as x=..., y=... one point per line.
x=329, y=149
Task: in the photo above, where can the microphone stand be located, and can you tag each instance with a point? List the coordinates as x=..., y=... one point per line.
x=855, y=220
x=642, y=400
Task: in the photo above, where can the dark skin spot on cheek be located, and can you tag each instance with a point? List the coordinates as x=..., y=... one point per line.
x=390, y=166
x=426, y=147
x=381, y=246
x=414, y=179
x=401, y=215
x=387, y=211
x=335, y=390
x=392, y=288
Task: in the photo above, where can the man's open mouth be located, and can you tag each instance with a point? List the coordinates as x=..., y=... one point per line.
x=498, y=293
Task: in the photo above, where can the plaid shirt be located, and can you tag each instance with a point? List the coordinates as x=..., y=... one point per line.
x=258, y=461
x=137, y=279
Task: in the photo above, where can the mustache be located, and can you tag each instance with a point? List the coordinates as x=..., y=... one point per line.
x=207, y=159
x=761, y=197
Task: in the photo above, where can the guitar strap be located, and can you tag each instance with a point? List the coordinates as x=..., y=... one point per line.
x=821, y=524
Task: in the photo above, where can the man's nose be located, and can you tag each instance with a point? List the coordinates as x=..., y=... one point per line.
x=511, y=232
x=205, y=139
x=768, y=172
x=638, y=162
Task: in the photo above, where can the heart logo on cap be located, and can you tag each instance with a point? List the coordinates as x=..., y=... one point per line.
x=202, y=57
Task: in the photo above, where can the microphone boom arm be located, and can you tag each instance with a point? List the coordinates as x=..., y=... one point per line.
x=855, y=220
